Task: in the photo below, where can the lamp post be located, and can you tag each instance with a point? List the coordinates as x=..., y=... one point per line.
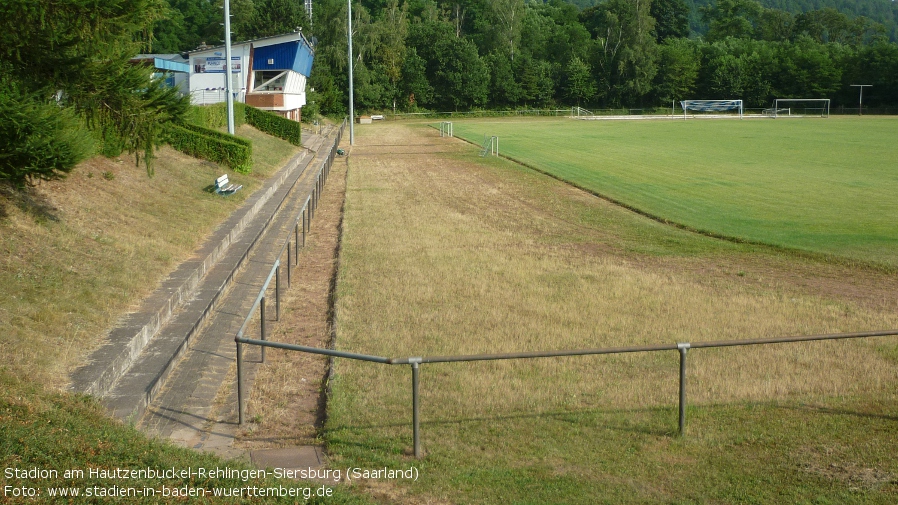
x=860, y=107
x=349, y=51
x=229, y=98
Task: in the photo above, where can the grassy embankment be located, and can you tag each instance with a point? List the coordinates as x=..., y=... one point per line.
x=824, y=186
x=448, y=253
x=78, y=254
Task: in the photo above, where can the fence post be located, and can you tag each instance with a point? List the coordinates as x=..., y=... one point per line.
x=305, y=218
x=289, y=263
x=277, y=292
x=296, y=243
x=416, y=418
x=264, y=333
x=239, y=383
x=683, y=347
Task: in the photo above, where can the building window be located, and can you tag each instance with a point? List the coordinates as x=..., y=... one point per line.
x=269, y=80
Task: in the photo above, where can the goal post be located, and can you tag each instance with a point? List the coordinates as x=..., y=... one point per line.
x=800, y=107
x=711, y=106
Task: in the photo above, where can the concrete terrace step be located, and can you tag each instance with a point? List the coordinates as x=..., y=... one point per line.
x=182, y=303
x=185, y=407
x=134, y=391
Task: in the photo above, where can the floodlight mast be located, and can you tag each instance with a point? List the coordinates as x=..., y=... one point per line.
x=860, y=106
x=229, y=98
x=349, y=51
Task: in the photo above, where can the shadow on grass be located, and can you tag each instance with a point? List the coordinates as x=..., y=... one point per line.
x=28, y=201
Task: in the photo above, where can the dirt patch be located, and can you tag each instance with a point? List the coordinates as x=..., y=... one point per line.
x=286, y=404
x=829, y=463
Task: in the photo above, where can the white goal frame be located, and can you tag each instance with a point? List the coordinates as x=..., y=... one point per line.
x=711, y=105
x=824, y=109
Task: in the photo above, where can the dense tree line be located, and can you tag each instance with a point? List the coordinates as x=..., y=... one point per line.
x=463, y=54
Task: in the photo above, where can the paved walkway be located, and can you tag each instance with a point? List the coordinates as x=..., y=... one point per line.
x=169, y=387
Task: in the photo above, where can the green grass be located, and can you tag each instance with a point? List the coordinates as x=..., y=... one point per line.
x=825, y=186
x=63, y=432
x=816, y=451
x=449, y=253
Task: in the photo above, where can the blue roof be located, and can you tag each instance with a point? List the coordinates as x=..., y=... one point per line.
x=174, y=66
x=295, y=56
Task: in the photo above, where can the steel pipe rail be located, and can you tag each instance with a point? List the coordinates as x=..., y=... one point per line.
x=681, y=347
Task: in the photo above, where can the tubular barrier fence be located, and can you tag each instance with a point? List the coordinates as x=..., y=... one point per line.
x=681, y=347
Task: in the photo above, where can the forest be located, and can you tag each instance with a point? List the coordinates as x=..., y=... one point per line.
x=439, y=55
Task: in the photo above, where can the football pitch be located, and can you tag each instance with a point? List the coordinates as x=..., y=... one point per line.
x=444, y=253
x=820, y=185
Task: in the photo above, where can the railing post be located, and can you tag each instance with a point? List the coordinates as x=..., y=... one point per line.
x=262, y=317
x=306, y=222
x=416, y=418
x=239, y=382
x=277, y=293
x=289, y=263
x=683, y=347
x=296, y=243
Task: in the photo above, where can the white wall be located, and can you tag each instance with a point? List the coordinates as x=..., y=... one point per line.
x=207, y=87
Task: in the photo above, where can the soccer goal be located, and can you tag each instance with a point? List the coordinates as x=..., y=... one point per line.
x=711, y=106
x=490, y=146
x=446, y=129
x=579, y=112
x=800, y=107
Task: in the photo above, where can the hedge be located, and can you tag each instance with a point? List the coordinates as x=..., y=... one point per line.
x=276, y=125
x=211, y=145
x=227, y=137
x=216, y=115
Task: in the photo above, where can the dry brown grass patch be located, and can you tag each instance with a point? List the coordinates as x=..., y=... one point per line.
x=450, y=254
x=95, y=244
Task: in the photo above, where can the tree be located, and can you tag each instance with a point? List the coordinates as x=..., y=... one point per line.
x=731, y=18
x=77, y=52
x=506, y=16
x=830, y=25
x=671, y=19
x=190, y=23
x=535, y=79
x=274, y=17
x=461, y=78
x=775, y=25
x=579, y=83
x=504, y=88
x=738, y=69
x=38, y=140
x=624, y=57
x=457, y=74
x=415, y=87
x=806, y=70
x=679, y=62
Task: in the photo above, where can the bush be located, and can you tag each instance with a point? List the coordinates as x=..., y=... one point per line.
x=38, y=141
x=275, y=125
x=212, y=145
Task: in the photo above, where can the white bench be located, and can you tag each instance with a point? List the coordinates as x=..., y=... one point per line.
x=224, y=187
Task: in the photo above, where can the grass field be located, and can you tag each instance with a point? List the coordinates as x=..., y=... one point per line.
x=448, y=253
x=825, y=186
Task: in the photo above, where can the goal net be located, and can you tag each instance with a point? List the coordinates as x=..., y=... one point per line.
x=799, y=107
x=711, y=106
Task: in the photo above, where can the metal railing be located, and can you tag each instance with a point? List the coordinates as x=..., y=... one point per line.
x=416, y=362
x=291, y=245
